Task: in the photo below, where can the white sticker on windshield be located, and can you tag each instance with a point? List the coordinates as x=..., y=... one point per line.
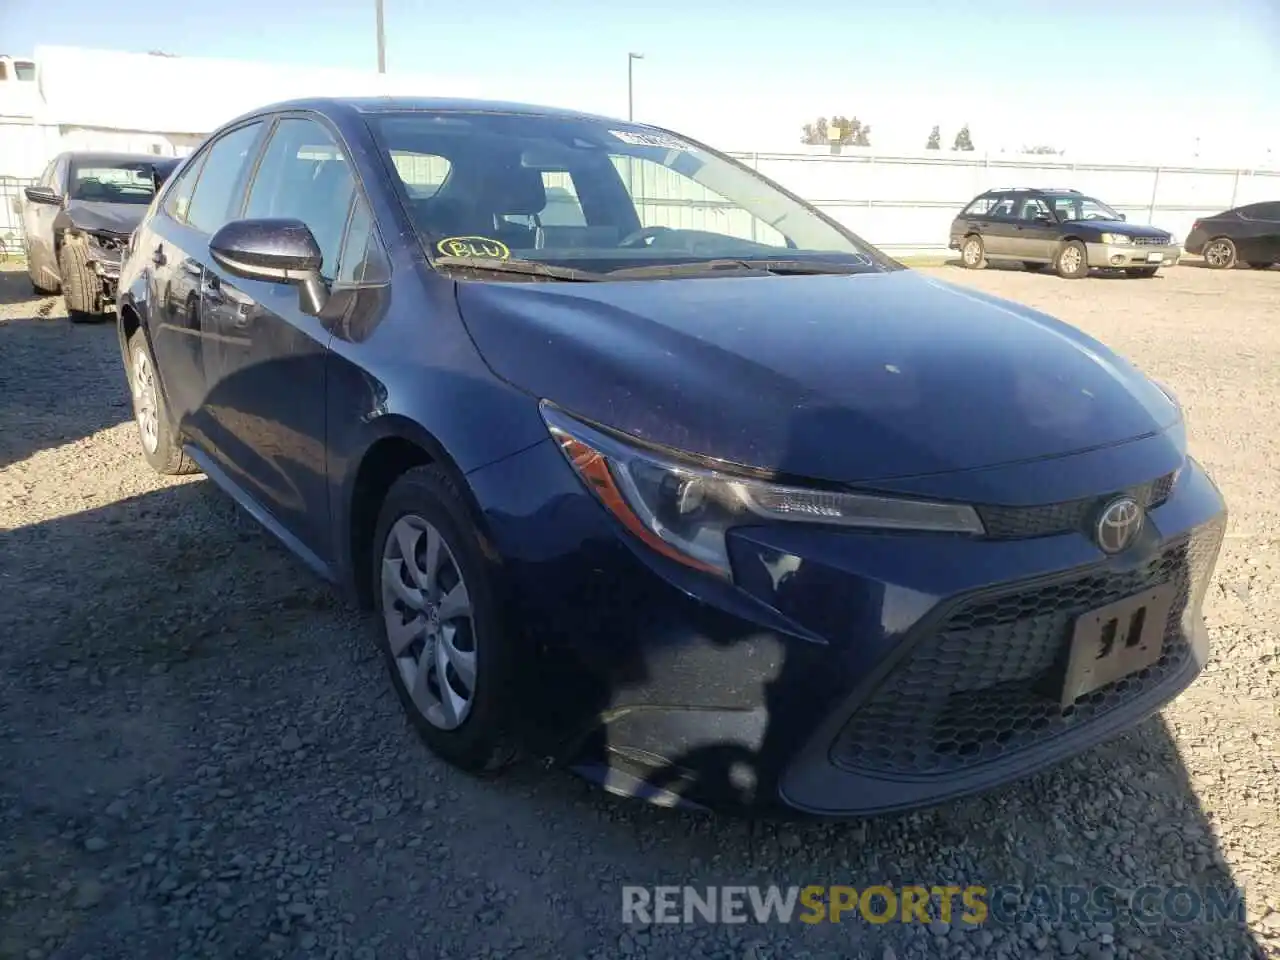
x=653, y=139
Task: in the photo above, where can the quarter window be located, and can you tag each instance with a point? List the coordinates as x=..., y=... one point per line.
x=221, y=178
x=304, y=176
x=1261, y=211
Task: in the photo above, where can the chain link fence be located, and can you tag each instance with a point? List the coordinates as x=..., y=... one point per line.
x=12, y=246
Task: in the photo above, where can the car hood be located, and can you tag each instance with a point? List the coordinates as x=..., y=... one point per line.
x=841, y=378
x=94, y=215
x=1121, y=226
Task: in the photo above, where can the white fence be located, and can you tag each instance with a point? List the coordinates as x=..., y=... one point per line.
x=907, y=201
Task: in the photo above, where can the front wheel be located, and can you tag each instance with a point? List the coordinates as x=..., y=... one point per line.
x=81, y=287
x=450, y=658
x=160, y=446
x=1220, y=254
x=1073, y=260
x=973, y=253
x=1141, y=271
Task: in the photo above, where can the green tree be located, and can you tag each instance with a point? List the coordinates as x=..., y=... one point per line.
x=842, y=131
x=963, y=140
x=935, y=139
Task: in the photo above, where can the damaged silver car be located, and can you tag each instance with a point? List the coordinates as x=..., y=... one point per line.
x=77, y=221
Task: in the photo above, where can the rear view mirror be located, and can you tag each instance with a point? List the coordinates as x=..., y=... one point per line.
x=274, y=250
x=546, y=157
x=41, y=194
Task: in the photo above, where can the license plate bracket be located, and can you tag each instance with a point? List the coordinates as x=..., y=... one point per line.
x=1112, y=642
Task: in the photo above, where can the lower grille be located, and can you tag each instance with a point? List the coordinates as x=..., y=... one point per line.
x=985, y=684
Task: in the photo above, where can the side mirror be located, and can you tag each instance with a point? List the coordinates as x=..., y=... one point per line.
x=41, y=194
x=1123, y=217
x=274, y=250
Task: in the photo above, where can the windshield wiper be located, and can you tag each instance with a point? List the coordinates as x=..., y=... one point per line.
x=712, y=267
x=528, y=267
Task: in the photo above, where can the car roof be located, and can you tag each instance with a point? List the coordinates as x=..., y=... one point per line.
x=102, y=156
x=375, y=105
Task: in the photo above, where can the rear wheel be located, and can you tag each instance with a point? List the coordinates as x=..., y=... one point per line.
x=81, y=287
x=1141, y=271
x=160, y=446
x=1032, y=267
x=1220, y=254
x=973, y=254
x=1073, y=260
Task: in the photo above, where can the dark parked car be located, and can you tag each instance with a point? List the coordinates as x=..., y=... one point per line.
x=695, y=491
x=1059, y=228
x=1249, y=234
x=77, y=220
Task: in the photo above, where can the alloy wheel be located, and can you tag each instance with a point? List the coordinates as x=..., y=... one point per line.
x=429, y=622
x=1218, y=254
x=146, y=406
x=972, y=252
x=1071, y=260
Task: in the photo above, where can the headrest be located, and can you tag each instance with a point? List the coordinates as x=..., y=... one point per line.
x=513, y=189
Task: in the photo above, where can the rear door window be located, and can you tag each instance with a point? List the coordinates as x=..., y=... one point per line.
x=980, y=207
x=222, y=178
x=1004, y=208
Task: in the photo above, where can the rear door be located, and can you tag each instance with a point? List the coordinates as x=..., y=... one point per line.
x=265, y=359
x=1000, y=234
x=193, y=208
x=1037, y=234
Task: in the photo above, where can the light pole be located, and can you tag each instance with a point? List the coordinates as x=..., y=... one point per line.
x=631, y=59
x=382, y=39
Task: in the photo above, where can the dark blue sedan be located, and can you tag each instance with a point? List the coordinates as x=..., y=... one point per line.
x=649, y=467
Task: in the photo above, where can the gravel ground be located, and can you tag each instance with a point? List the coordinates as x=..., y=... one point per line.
x=202, y=756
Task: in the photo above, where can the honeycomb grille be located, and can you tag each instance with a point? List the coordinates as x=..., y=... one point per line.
x=986, y=683
x=1013, y=523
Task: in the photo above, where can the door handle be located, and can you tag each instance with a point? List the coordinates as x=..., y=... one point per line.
x=157, y=256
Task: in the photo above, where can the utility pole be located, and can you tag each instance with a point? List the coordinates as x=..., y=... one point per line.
x=631, y=105
x=382, y=39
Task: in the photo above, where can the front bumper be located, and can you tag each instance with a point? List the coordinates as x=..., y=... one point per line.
x=1125, y=256
x=845, y=673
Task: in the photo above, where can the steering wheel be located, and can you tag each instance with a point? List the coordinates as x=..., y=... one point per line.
x=642, y=236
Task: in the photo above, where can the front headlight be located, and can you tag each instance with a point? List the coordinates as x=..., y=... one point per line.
x=684, y=511
x=1116, y=238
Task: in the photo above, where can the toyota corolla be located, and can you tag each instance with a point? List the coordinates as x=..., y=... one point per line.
x=651, y=468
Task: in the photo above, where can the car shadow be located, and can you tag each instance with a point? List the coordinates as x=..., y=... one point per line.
x=44, y=362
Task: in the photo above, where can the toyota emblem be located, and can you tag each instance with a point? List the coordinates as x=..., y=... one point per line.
x=1118, y=525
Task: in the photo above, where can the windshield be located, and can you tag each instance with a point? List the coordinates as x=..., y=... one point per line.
x=1083, y=208
x=113, y=182
x=598, y=197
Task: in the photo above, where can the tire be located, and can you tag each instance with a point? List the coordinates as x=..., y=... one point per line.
x=1260, y=266
x=426, y=500
x=36, y=288
x=973, y=253
x=1033, y=267
x=1220, y=253
x=81, y=288
x=160, y=443
x=1147, y=272
x=1072, y=261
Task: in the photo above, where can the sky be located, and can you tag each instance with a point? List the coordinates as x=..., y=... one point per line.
x=1096, y=78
